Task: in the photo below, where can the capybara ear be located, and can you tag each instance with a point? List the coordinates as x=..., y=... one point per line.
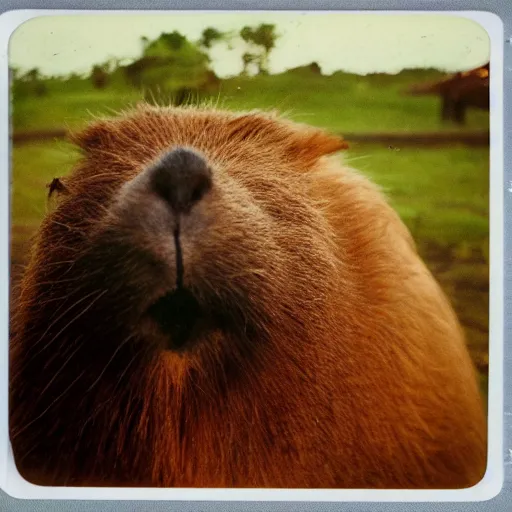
x=98, y=135
x=310, y=144
x=300, y=143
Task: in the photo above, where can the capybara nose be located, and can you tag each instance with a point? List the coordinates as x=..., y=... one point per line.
x=181, y=177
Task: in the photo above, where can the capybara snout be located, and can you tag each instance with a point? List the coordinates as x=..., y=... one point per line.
x=218, y=301
x=203, y=250
x=181, y=177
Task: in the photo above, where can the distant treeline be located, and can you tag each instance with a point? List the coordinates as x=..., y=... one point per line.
x=170, y=66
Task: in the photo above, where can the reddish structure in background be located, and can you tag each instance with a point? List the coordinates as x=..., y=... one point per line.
x=459, y=92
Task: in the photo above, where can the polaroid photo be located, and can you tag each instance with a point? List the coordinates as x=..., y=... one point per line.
x=253, y=256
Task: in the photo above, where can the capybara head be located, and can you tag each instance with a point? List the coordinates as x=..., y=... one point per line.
x=187, y=232
x=193, y=309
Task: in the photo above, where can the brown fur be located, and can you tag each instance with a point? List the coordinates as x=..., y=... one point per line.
x=342, y=363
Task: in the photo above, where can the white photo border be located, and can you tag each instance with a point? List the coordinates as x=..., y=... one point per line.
x=489, y=487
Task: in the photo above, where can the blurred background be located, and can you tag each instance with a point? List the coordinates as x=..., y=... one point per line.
x=409, y=93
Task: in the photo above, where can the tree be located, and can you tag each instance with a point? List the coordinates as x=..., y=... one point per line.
x=174, y=40
x=33, y=75
x=171, y=67
x=144, y=42
x=99, y=76
x=14, y=72
x=266, y=37
x=36, y=82
x=263, y=36
x=210, y=36
x=248, y=58
x=247, y=34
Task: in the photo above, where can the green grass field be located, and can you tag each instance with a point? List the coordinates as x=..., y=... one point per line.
x=442, y=194
x=340, y=102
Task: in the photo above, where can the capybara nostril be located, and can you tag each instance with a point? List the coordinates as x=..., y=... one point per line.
x=182, y=177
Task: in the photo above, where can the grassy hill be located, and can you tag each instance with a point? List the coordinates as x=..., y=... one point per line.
x=341, y=102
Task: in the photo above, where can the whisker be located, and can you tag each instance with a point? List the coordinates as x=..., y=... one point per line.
x=121, y=345
x=75, y=317
x=57, y=263
x=46, y=345
x=26, y=426
x=64, y=352
x=59, y=281
x=353, y=159
x=66, y=362
x=79, y=301
x=132, y=360
x=67, y=226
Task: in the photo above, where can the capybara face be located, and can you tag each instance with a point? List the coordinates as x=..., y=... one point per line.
x=185, y=244
x=214, y=301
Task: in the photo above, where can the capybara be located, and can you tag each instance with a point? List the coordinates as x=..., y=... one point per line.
x=215, y=300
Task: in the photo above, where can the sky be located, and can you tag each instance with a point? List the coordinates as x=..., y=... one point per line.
x=356, y=43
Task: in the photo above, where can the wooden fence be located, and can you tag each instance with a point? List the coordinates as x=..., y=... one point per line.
x=395, y=140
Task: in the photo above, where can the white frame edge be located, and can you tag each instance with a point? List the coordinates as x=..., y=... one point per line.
x=16, y=486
